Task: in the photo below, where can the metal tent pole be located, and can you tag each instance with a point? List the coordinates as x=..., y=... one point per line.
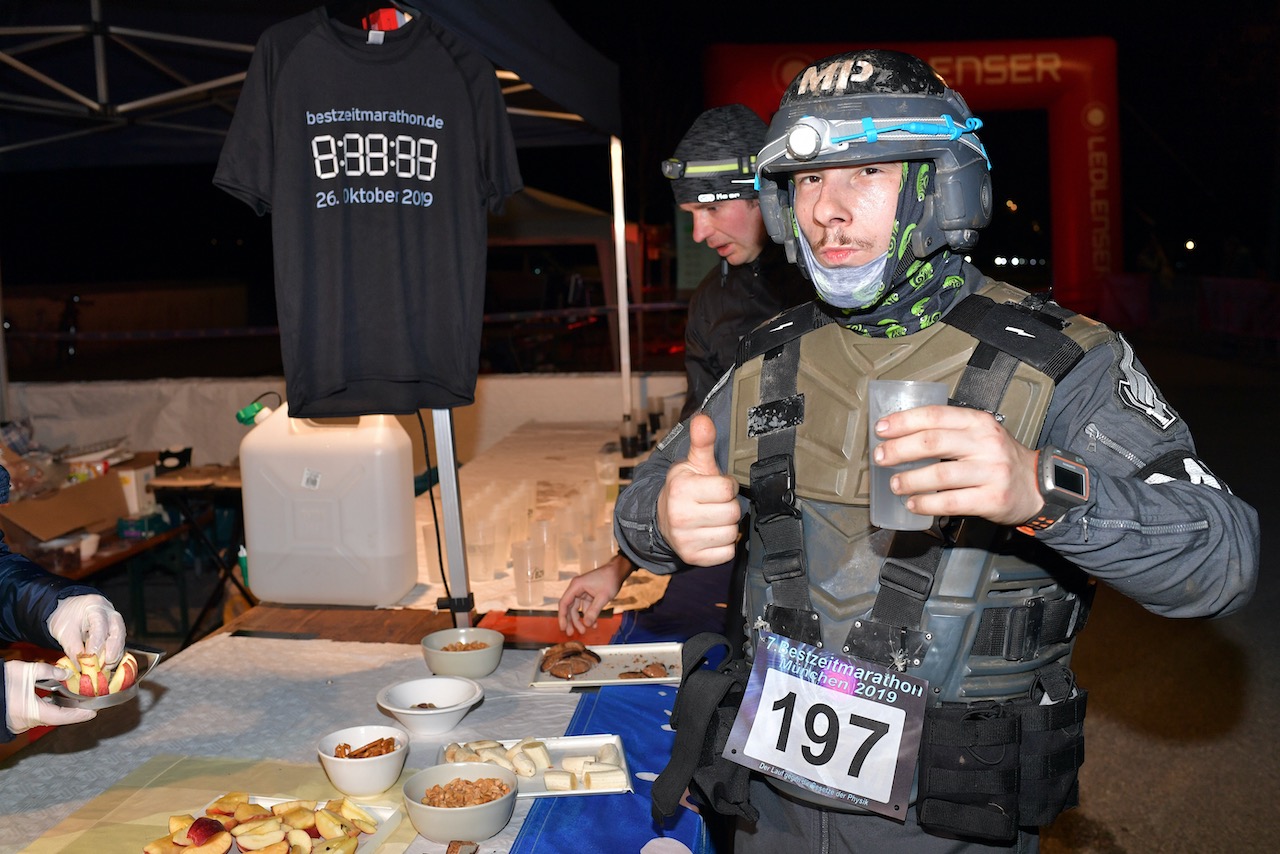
x=454, y=542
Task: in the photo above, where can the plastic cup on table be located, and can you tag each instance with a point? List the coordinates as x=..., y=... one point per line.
x=528, y=572
x=482, y=549
x=595, y=552
x=607, y=463
x=884, y=397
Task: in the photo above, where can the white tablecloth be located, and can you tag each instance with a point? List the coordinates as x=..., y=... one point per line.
x=256, y=698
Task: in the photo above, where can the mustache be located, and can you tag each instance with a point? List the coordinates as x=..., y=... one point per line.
x=838, y=239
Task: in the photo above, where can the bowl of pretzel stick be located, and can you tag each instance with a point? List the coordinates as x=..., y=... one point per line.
x=363, y=761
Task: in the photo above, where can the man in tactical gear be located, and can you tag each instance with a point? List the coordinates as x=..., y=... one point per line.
x=911, y=691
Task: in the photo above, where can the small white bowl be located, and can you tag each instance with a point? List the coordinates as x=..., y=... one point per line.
x=476, y=823
x=373, y=775
x=453, y=697
x=472, y=663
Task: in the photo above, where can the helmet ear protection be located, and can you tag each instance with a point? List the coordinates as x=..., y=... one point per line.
x=876, y=106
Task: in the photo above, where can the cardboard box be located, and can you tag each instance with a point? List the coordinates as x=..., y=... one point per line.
x=134, y=476
x=93, y=505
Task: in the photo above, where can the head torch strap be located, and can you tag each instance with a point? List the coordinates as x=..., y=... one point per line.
x=675, y=168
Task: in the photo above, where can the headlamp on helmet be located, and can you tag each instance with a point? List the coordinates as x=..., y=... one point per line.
x=878, y=106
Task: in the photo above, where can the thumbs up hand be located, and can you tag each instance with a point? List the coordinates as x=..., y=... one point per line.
x=698, y=511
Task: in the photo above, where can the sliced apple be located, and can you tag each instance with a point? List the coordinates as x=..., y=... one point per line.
x=226, y=805
x=248, y=810
x=180, y=822
x=353, y=812
x=164, y=845
x=87, y=678
x=261, y=839
x=299, y=842
x=126, y=673
x=218, y=844
x=199, y=831
x=299, y=818
x=342, y=845
x=358, y=816
x=288, y=806
x=333, y=826
x=281, y=847
x=258, y=824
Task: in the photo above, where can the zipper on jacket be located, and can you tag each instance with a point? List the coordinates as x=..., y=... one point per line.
x=1095, y=436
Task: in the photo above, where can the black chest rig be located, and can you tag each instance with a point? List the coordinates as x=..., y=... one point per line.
x=799, y=430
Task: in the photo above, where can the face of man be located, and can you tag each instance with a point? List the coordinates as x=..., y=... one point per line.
x=734, y=228
x=846, y=212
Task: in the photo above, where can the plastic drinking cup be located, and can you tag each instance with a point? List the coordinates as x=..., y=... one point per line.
x=528, y=570
x=482, y=549
x=883, y=397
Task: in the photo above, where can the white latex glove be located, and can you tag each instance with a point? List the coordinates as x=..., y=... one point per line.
x=23, y=708
x=88, y=623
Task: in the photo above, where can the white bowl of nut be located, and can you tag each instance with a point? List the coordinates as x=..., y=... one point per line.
x=472, y=652
x=460, y=800
x=363, y=761
x=430, y=705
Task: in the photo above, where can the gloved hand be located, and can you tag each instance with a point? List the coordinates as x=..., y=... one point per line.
x=23, y=708
x=88, y=623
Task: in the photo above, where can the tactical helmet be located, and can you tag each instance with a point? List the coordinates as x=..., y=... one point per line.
x=716, y=159
x=878, y=106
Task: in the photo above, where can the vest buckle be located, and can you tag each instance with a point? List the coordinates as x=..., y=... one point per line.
x=773, y=489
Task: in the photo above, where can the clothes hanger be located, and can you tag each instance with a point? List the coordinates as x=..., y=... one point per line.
x=353, y=11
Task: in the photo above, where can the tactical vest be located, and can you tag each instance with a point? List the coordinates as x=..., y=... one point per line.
x=980, y=611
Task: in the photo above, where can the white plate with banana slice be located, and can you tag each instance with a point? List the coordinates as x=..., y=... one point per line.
x=547, y=767
x=572, y=664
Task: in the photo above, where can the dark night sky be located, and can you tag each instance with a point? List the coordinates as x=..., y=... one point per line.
x=1199, y=132
x=1198, y=87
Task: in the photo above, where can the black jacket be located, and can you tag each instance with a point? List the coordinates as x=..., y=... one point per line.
x=728, y=303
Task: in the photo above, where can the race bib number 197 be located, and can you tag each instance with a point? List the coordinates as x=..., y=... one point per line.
x=838, y=726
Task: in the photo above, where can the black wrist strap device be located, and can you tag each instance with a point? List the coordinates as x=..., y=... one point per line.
x=1063, y=480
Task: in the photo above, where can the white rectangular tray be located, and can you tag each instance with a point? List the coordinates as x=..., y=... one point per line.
x=560, y=747
x=388, y=820
x=615, y=659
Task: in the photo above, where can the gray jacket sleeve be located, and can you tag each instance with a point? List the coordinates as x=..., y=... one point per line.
x=1158, y=526
x=635, y=517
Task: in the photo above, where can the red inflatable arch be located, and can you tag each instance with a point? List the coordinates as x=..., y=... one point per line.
x=1073, y=79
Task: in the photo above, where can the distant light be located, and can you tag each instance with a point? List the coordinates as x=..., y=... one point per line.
x=968, y=259
x=1011, y=205
x=1191, y=245
x=1014, y=261
x=1001, y=261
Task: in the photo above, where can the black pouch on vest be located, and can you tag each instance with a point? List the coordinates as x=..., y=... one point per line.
x=1052, y=753
x=702, y=717
x=987, y=769
x=968, y=782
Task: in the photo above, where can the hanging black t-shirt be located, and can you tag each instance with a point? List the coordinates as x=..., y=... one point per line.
x=379, y=164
